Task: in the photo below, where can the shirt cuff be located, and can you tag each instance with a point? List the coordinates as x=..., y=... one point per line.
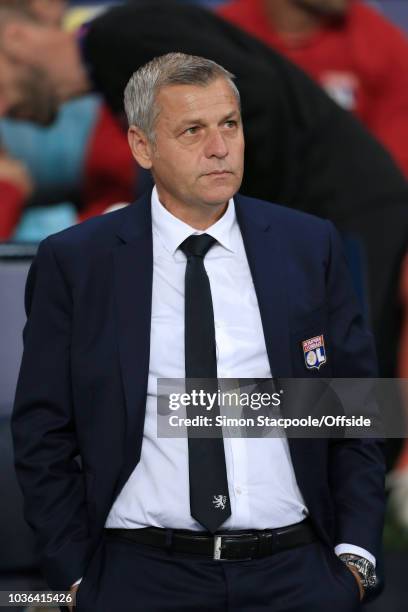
x=351, y=549
x=77, y=582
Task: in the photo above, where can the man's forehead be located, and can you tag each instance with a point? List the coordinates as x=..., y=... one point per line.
x=181, y=99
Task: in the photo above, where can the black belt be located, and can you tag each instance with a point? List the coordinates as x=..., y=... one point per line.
x=228, y=545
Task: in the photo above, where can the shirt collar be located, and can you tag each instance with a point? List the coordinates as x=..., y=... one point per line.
x=173, y=231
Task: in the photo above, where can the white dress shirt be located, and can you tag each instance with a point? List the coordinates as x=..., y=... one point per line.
x=262, y=484
x=157, y=492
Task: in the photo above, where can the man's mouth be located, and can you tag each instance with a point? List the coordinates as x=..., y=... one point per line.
x=218, y=173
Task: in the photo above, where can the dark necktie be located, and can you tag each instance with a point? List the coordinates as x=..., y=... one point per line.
x=209, y=496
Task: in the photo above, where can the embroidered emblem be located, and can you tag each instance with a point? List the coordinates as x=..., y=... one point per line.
x=220, y=501
x=314, y=352
x=342, y=87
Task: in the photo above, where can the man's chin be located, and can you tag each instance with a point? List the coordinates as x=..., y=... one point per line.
x=222, y=192
x=219, y=197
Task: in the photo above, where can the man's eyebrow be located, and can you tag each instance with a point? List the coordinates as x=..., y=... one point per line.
x=199, y=121
x=189, y=121
x=232, y=115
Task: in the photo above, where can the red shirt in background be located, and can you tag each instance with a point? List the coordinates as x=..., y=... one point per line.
x=12, y=201
x=110, y=172
x=362, y=63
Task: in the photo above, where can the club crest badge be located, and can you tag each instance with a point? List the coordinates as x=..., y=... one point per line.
x=314, y=352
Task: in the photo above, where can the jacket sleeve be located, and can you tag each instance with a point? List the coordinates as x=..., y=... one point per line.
x=43, y=427
x=357, y=466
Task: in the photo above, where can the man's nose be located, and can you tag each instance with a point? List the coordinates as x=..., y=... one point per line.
x=216, y=145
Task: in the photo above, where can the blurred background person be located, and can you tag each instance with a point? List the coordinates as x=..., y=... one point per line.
x=358, y=56
x=77, y=167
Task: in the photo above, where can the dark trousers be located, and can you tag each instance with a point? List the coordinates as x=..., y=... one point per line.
x=127, y=576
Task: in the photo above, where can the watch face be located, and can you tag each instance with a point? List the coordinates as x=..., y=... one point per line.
x=365, y=569
x=367, y=573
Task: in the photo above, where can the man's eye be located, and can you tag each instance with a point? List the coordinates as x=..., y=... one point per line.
x=231, y=123
x=192, y=130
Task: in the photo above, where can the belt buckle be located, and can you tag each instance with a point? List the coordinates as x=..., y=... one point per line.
x=217, y=548
x=217, y=551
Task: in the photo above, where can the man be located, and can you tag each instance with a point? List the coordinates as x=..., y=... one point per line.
x=152, y=291
x=302, y=150
x=356, y=55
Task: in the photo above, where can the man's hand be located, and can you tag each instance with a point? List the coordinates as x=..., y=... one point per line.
x=15, y=172
x=73, y=590
x=358, y=578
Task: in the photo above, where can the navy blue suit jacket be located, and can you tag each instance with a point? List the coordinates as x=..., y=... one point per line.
x=83, y=378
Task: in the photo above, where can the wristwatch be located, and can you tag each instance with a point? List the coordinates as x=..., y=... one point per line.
x=365, y=569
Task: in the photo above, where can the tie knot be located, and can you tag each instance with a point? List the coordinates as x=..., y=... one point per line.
x=197, y=246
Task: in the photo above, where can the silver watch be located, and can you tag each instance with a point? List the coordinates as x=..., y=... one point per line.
x=365, y=569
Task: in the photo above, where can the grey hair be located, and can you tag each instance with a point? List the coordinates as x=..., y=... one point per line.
x=170, y=69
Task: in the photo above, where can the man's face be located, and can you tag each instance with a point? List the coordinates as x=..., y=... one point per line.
x=325, y=8
x=198, y=156
x=26, y=92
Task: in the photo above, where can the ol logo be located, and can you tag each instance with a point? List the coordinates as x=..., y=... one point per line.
x=314, y=352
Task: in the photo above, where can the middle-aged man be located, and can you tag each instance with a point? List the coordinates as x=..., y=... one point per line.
x=193, y=280
x=302, y=150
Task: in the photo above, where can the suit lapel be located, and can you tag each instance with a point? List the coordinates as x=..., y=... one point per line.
x=133, y=274
x=264, y=253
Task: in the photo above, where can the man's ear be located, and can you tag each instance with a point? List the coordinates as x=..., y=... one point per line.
x=140, y=146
